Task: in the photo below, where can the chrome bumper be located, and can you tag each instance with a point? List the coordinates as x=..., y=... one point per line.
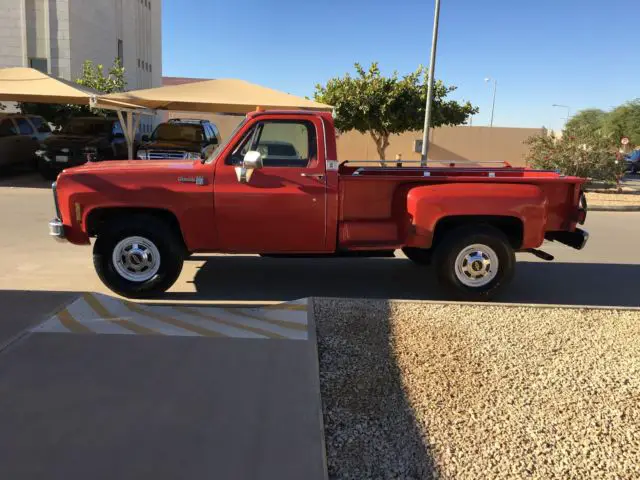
x=56, y=229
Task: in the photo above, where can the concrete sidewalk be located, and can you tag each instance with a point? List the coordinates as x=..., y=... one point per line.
x=111, y=399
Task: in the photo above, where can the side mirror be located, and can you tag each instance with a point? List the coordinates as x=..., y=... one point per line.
x=145, y=138
x=118, y=135
x=252, y=161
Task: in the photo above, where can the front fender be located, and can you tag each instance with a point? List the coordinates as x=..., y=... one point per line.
x=427, y=205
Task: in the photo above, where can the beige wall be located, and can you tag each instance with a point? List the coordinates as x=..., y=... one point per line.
x=447, y=143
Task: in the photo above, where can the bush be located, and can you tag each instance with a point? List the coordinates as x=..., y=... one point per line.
x=588, y=155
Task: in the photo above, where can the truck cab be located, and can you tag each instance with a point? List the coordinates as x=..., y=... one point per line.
x=276, y=187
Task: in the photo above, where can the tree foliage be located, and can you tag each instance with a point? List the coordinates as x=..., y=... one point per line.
x=624, y=121
x=382, y=106
x=93, y=76
x=586, y=123
x=594, y=156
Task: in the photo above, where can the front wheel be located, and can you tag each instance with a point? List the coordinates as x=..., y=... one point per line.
x=140, y=257
x=475, y=262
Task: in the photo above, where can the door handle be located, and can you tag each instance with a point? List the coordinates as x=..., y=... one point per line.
x=319, y=176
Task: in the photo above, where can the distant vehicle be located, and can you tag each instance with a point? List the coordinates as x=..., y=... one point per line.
x=80, y=140
x=20, y=136
x=180, y=139
x=633, y=161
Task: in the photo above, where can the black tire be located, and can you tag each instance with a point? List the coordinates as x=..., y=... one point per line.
x=46, y=171
x=455, y=242
x=152, y=229
x=421, y=256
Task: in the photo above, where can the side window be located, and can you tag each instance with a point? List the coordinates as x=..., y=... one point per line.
x=24, y=127
x=207, y=132
x=7, y=129
x=286, y=143
x=40, y=125
x=242, y=147
x=216, y=133
x=117, y=129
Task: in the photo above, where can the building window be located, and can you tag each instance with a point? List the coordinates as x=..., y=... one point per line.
x=39, y=64
x=120, y=52
x=138, y=63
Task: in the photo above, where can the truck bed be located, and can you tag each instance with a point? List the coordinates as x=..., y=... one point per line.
x=373, y=206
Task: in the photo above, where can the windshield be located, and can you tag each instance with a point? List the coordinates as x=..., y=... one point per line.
x=223, y=145
x=86, y=126
x=175, y=132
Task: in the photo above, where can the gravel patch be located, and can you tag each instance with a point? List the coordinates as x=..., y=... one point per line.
x=612, y=199
x=423, y=390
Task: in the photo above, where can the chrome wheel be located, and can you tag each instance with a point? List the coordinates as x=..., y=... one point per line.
x=476, y=265
x=136, y=259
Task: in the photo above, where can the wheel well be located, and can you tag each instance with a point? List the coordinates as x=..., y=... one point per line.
x=512, y=227
x=100, y=217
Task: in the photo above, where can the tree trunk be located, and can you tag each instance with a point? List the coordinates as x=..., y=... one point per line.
x=382, y=142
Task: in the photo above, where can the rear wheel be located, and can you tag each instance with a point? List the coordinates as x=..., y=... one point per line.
x=421, y=256
x=474, y=262
x=138, y=257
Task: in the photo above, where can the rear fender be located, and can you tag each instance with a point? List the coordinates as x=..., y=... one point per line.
x=427, y=205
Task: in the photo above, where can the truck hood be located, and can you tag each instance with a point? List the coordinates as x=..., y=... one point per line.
x=173, y=145
x=72, y=141
x=135, y=166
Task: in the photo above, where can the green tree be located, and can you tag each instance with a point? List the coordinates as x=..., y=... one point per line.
x=586, y=123
x=624, y=121
x=382, y=106
x=93, y=76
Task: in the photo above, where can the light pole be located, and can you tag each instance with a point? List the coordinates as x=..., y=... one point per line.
x=432, y=70
x=568, y=111
x=495, y=88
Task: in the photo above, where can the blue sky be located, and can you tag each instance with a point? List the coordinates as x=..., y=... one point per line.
x=580, y=53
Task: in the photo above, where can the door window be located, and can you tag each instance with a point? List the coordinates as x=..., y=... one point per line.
x=40, y=125
x=7, y=128
x=281, y=144
x=24, y=127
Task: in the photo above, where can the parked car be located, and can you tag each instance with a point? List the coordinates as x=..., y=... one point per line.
x=20, y=136
x=633, y=161
x=467, y=221
x=80, y=140
x=180, y=139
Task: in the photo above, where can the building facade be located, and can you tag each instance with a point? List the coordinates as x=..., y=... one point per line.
x=57, y=36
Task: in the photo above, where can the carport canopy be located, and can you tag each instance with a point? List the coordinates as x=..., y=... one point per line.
x=21, y=84
x=229, y=96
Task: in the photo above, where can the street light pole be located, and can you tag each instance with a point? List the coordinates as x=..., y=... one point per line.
x=495, y=88
x=568, y=111
x=432, y=69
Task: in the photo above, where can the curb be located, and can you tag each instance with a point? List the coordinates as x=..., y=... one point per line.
x=614, y=208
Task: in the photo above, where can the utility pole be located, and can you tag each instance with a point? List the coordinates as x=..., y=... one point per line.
x=493, y=106
x=432, y=70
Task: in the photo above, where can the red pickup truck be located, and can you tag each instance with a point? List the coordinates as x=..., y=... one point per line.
x=275, y=187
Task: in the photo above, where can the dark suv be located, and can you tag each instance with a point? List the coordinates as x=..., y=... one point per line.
x=81, y=140
x=180, y=139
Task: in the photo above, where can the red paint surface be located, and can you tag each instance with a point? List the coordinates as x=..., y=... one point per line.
x=280, y=210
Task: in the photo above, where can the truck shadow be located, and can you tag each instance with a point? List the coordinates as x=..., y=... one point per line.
x=364, y=397
x=251, y=278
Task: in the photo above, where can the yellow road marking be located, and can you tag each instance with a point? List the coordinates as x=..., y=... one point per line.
x=70, y=323
x=259, y=331
x=123, y=322
x=280, y=323
x=285, y=306
x=172, y=321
